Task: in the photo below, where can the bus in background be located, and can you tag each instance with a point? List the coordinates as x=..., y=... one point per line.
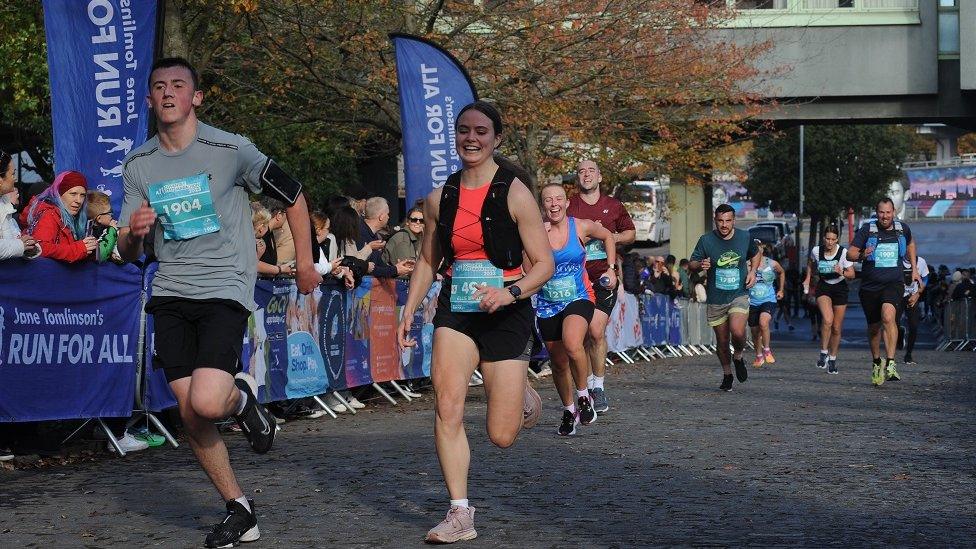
x=647, y=203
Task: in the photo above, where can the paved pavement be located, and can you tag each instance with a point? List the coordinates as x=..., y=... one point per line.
x=792, y=457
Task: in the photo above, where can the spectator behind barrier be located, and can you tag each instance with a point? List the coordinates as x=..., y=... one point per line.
x=273, y=262
x=357, y=196
x=329, y=264
x=631, y=273
x=103, y=226
x=12, y=242
x=660, y=281
x=58, y=220
x=405, y=243
x=259, y=221
x=683, y=286
x=377, y=216
x=963, y=287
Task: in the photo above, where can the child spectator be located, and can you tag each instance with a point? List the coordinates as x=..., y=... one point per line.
x=12, y=243
x=103, y=226
x=58, y=220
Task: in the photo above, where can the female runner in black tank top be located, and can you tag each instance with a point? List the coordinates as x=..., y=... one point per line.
x=460, y=338
x=831, y=293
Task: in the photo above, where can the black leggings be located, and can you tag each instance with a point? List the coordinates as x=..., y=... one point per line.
x=912, y=317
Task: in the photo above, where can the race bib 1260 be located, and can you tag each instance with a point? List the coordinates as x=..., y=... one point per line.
x=727, y=279
x=595, y=250
x=467, y=276
x=886, y=255
x=184, y=207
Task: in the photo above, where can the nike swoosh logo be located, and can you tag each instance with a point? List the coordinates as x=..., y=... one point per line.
x=726, y=261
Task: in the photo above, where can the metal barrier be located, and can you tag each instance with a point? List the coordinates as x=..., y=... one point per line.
x=959, y=325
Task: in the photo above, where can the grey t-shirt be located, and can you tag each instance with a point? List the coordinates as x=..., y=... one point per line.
x=203, y=237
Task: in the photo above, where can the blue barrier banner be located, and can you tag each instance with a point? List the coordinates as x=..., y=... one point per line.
x=654, y=319
x=433, y=87
x=68, y=340
x=99, y=54
x=415, y=361
x=674, y=323
x=157, y=396
x=332, y=332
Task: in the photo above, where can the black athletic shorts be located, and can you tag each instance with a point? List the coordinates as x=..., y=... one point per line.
x=872, y=300
x=506, y=334
x=197, y=333
x=756, y=310
x=605, y=298
x=551, y=329
x=836, y=292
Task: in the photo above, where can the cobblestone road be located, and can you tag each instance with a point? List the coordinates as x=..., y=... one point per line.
x=793, y=457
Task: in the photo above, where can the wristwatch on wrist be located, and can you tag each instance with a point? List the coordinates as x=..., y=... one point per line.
x=515, y=291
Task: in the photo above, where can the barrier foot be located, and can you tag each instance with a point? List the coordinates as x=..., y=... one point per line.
x=684, y=349
x=659, y=352
x=324, y=406
x=159, y=426
x=384, y=393
x=608, y=361
x=533, y=374
x=400, y=390
x=111, y=438
x=345, y=402
x=674, y=352
x=644, y=353
x=623, y=356
x=75, y=432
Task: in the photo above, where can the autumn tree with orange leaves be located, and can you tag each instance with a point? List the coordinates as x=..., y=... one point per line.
x=639, y=85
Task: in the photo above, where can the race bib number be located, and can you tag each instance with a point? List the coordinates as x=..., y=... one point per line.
x=826, y=267
x=760, y=291
x=727, y=279
x=184, y=207
x=560, y=290
x=595, y=250
x=467, y=277
x=886, y=255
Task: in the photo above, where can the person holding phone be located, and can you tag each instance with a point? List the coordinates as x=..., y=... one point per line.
x=405, y=243
x=377, y=216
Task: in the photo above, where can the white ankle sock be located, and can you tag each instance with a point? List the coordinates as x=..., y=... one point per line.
x=831, y=357
x=459, y=503
x=242, y=403
x=589, y=381
x=582, y=393
x=243, y=501
x=571, y=408
x=824, y=352
x=597, y=382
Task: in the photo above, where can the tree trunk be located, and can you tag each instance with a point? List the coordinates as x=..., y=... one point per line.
x=174, y=40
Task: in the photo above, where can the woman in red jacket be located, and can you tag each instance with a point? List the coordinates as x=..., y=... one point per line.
x=56, y=218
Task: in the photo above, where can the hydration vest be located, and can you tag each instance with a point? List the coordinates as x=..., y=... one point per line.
x=500, y=235
x=823, y=257
x=872, y=241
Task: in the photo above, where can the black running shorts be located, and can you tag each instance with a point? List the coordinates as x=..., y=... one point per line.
x=756, y=310
x=836, y=292
x=605, y=299
x=194, y=333
x=872, y=300
x=506, y=334
x=551, y=329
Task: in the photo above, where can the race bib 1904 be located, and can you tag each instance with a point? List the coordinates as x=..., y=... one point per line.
x=184, y=207
x=727, y=279
x=560, y=290
x=595, y=250
x=886, y=255
x=467, y=276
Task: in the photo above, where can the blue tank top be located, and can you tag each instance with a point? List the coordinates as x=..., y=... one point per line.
x=764, y=290
x=569, y=282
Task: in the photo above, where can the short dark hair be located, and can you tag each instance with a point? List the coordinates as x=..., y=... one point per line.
x=168, y=62
x=724, y=208
x=273, y=205
x=884, y=199
x=683, y=262
x=486, y=109
x=670, y=259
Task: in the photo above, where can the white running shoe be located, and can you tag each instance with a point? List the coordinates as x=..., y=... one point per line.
x=128, y=443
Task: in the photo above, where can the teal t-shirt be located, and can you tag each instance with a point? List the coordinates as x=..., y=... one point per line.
x=730, y=264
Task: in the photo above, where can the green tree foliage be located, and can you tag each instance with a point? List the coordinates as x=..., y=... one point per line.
x=845, y=167
x=25, y=103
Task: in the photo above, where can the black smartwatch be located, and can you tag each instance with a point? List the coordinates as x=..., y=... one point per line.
x=515, y=291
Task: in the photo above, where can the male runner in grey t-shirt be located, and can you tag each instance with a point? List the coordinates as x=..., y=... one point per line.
x=189, y=184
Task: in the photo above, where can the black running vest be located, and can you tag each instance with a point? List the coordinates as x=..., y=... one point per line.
x=502, y=242
x=823, y=257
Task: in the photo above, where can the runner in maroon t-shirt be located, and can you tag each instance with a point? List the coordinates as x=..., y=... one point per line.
x=609, y=212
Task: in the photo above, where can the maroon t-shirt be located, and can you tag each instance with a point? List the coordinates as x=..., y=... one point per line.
x=609, y=212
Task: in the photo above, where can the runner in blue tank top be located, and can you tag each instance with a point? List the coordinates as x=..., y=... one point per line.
x=564, y=306
x=762, y=304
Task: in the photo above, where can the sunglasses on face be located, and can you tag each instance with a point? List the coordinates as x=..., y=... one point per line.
x=416, y=220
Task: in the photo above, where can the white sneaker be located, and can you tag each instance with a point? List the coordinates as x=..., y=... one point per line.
x=354, y=402
x=128, y=443
x=6, y=455
x=315, y=414
x=332, y=402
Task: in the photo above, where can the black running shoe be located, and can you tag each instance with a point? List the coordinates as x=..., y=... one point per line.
x=255, y=421
x=568, y=425
x=832, y=366
x=909, y=360
x=741, y=373
x=240, y=525
x=587, y=414
x=726, y=383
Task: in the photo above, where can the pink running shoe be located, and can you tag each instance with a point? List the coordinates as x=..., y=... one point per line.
x=458, y=525
x=769, y=357
x=531, y=407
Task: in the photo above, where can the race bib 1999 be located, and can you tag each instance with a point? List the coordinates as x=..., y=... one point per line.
x=467, y=276
x=886, y=255
x=184, y=207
